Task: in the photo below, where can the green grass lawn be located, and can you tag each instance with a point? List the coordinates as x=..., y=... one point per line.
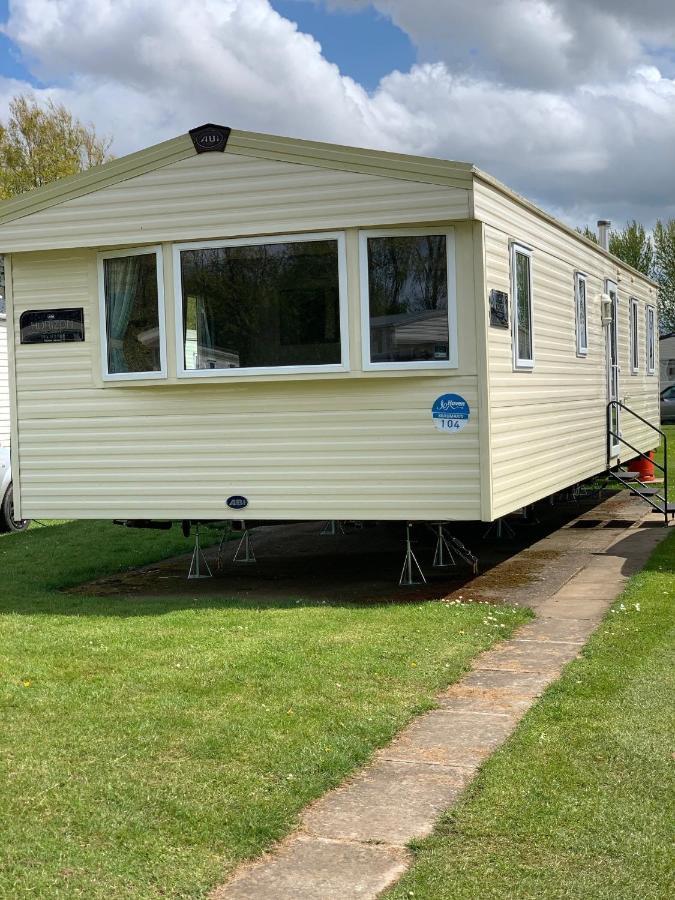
x=149, y=745
x=579, y=803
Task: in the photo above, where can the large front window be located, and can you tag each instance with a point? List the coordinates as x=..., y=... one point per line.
x=132, y=322
x=408, y=311
x=273, y=303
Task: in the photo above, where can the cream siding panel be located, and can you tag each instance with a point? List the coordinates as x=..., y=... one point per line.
x=4, y=386
x=548, y=426
x=222, y=195
x=350, y=446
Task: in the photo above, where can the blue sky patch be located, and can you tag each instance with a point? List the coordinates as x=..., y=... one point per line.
x=10, y=57
x=364, y=44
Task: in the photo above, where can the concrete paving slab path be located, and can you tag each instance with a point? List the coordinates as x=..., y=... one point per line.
x=351, y=842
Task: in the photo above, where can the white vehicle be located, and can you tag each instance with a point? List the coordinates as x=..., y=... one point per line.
x=7, y=520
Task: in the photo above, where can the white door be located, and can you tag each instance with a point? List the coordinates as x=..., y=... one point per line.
x=613, y=370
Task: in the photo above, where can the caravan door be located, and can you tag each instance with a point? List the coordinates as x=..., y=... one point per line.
x=612, y=359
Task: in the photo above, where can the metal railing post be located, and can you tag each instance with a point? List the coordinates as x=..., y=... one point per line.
x=663, y=468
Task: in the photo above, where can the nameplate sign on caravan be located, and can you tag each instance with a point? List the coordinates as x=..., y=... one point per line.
x=450, y=413
x=51, y=326
x=237, y=502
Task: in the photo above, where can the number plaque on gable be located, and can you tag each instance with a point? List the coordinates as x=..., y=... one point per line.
x=51, y=326
x=209, y=138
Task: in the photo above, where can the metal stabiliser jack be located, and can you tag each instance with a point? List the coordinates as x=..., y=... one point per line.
x=411, y=573
x=442, y=554
x=244, y=552
x=199, y=568
x=463, y=552
x=500, y=528
x=332, y=527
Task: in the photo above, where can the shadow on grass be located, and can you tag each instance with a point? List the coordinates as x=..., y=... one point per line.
x=39, y=567
x=43, y=565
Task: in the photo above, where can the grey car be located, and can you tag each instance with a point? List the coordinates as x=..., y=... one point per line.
x=7, y=520
x=668, y=404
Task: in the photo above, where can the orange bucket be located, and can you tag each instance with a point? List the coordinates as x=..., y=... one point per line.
x=644, y=467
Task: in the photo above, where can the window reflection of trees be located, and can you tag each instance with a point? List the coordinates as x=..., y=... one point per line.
x=408, y=297
x=523, y=290
x=262, y=305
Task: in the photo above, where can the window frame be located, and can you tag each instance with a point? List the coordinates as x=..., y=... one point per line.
x=521, y=364
x=634, y=313
x=452, y=362
x=155, y=249
x=582, y=351
x=258, y=240
x=650, y=329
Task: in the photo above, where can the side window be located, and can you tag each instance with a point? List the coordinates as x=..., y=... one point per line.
x=581, y=314
x=132, y=314
x=651, y=340
x=634, y=344
x=408, y=300
x=521, y=290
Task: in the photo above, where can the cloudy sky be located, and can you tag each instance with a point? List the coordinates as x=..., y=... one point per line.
x=571, y=102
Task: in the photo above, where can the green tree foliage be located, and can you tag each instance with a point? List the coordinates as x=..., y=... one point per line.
x=634, y=246
x=655, y=257
x=664, y=272
x=588, y=233
x=39, y=144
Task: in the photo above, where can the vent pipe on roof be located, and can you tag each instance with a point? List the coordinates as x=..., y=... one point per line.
x=603, y=233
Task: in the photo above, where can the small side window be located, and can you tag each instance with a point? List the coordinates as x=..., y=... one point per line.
x=651, y=340
x=132, y=314
x=634, y=344
x=521, y=288
x=581, y=314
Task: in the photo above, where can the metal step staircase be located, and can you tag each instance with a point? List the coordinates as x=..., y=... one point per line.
x=655, y=497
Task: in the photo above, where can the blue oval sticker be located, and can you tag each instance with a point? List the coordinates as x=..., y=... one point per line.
x=237, y=502
x=450, y=413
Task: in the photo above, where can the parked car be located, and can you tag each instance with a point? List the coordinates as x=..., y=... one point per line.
x=668, y=404
x=7, y=520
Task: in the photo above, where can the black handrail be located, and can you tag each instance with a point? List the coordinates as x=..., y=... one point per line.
x=663, y=468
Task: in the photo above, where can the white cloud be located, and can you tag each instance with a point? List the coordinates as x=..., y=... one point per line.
x=145, y=70
x=533, y=43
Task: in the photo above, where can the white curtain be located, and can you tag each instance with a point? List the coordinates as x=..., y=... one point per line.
x=122, y=274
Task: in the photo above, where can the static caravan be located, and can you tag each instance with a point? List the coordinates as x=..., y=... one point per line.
x=4, y=378
x=7, y=521
x=232, y=324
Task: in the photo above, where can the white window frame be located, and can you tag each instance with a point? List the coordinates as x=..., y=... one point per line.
x=521, y=364
x=634, y=312
x=650, y=322
x=298, y=238
x=582, y=350
x=161, y=318
x=452, y=362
